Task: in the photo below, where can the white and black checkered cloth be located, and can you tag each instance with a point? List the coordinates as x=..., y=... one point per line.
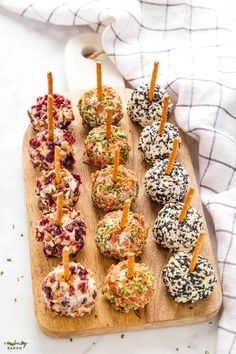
x=198, y=66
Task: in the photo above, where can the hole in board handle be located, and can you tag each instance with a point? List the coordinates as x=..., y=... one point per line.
x=87, y=51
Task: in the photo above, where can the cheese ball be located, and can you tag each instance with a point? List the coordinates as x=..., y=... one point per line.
x=62, y=112
x=42, y=150
x=47, y=190
x=185, y=286
x=164, y=188
x=109, y=195
x=114, y=241
x=174, y=235
x=126, y=294
x=100, y=150
x=94, y=112
x=155, y=147
x=72, y=298
x=55, y=237
x=143, y=111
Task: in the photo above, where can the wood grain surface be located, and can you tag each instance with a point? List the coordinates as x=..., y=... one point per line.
x=162, y=311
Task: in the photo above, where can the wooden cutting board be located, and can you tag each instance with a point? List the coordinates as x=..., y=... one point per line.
x=162, y=311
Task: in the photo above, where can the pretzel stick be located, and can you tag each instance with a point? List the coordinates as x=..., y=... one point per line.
x=57, y=164
x=172, y=156
x=196, y=251
x=116, y=164
x=187, y=201
x=108, y=123
x=50, y=118
x=59, y=211
x=99, y=80
x=131, y=259
x=153, y=80
x=163, y=115
x=50, y=83
x=66, y=263
x=125, y=213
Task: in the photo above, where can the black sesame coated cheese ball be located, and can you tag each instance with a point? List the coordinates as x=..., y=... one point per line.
x=185, y=286
x=155, y=147
x=174, y=235
x=143, y=111
x=164, y=188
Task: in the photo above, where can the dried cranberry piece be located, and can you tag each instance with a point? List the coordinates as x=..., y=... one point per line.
x=83, y=287
x=34, y=143
x=82, y=274
x=54, y=229
x=69, y=160
x=71, y=290
x=50, y=157
x=72, y=269
x=49, y=199
x=77, y=177
x=39, y=235
x=49, y=178
x=65, y=303
x=47, y=291
x=43, y=221
x=38, y=184
x=68, y=137
x=84, y=300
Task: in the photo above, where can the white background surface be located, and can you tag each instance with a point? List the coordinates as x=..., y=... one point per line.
x=28, y=50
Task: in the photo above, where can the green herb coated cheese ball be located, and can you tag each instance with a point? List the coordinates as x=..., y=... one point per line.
x=126, y=294
x=94, y=112
x=114, y=241
x=100, y=149
x=110, y=195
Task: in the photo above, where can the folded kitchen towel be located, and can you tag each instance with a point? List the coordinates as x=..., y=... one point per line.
x=198, y=66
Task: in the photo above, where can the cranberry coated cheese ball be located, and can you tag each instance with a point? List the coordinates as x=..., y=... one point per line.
x=125, y=294
x=100, y=149
x=42, y=150
x=174, y=235
x=62, y=112
x=155, y=147
x=114, y=241
x=55, y=237
x=110, y=195
x=143, y=111
x=164, y=188
x=94, y=112
x=185, y=286
x=72, y=298
x=47, y=190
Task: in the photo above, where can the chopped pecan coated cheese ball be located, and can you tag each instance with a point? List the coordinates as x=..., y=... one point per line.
x=42, y=150
x=100, y=150
x=47, y=190
x=143, y=111
x=117, y=242
x=110, y=195
x=185, y=286
x=164, y=188
x=126, y=294
x=55, y=237
x=174, y=235
x=155, y=147
x=62, y=112
x=72, y=298
x=94, y=112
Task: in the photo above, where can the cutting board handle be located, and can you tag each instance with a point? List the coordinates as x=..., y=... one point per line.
x=81, y=71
